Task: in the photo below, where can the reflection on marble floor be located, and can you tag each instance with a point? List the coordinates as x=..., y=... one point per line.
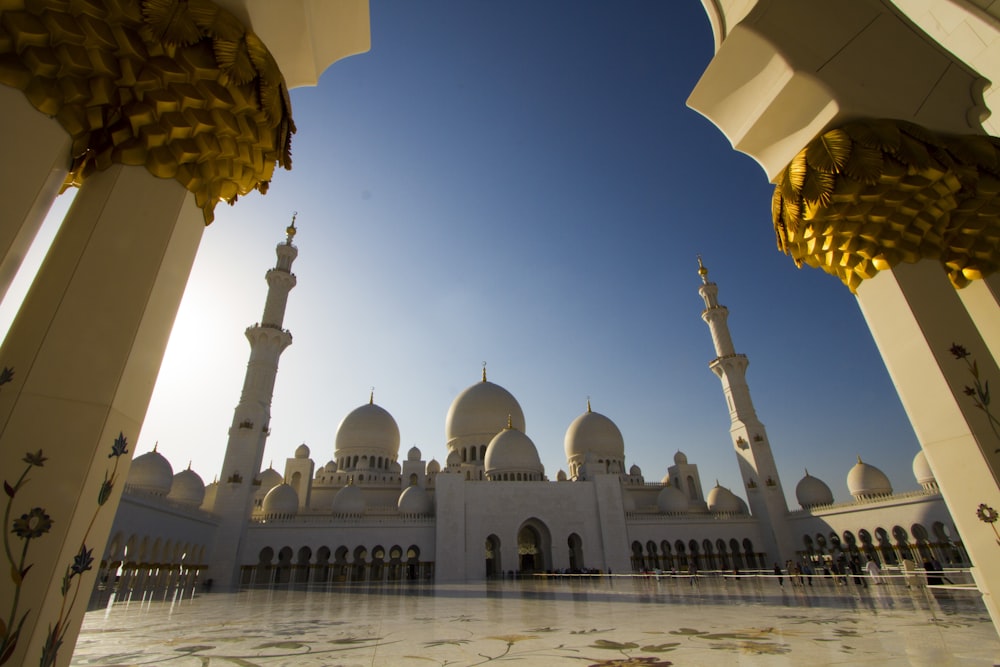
x=617, y=621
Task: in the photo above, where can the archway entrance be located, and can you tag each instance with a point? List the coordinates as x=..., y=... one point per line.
x=533, y=547
x=493, y=567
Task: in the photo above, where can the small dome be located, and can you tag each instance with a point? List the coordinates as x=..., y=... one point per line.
x=282, y=500
x=269, y=479
x=680, y=458
x=666, y=479
x=812, y=491
x=672, y=500
x=349, y=500
x=511, y=451
x=433, y=466
x=454, y=458
x=414, y=454
x=635, y=471
x=479, y=413
x=302, y=451
x=415, y=500
x=922, y=470
x=722, y=500
x=593, y=433
x=187, y=488
x=151, y=473
x=561, y=476
x=867, y=481
x=369, y=429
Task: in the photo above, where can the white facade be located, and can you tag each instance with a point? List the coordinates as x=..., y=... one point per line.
x=490, y=510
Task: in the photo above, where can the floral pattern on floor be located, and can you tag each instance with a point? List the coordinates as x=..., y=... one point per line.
x=554, y=622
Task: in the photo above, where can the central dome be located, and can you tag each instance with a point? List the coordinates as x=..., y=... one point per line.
x=479, y=413
x=369, y=428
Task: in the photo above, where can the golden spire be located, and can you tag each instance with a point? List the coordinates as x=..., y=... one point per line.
x=371, y=397
x=588, y=404
x=290, y=229
x=859, y=459
x=702, y=271
x=155, y=445
x=484, y=371
x=189, y=464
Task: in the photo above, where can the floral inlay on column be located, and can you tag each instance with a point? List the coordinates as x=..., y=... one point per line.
x=31, y=526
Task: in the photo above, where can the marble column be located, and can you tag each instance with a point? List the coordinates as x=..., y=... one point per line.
x=936, y=352
x=34, y=166
x=85, y=350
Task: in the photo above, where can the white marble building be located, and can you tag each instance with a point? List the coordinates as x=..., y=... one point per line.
x=490, y=509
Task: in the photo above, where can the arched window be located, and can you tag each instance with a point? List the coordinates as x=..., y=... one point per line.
x=692, y=490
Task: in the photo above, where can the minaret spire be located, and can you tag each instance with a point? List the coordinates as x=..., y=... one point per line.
x=749, y=438
x=252, y=416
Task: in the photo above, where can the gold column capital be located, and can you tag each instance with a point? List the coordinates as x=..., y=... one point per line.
x=182, y=88
x=873, y=193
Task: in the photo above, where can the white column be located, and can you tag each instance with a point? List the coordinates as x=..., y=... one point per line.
x=85, y=349
x=34, y=166
x=916, y=317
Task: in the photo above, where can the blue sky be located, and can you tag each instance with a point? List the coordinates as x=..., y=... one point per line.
x=521, y=183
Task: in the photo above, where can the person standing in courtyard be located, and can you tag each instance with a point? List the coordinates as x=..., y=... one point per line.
x=777, y=573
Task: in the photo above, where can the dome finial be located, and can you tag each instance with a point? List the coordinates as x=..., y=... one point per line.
x=588, y=404
x=290, y=229
x=807, y=472
x=270, y=464
x=859, y=459
x=189, y=464
x=155, y=445
x=484, y=371
x=702, y=271
x=371, y=397
x=510, y=421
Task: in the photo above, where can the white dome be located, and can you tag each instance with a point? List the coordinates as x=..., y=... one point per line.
x=368, y=430
x=635, y=471
x=302, y=451
x=720, y=499
x=269, y=479
x=511, y=451
x=672, y=500
x=349, y=500
x=433, y=466
x=211, y=490
x=812, y=491
x=593, y=433
x=680, y=458
x=187, y=488
x=281, y=500
x=866, y=481
x=414, y=454
x=454, y=458
x=479, y=413
x=151, y=473
x=415, y=500
x=922, y=470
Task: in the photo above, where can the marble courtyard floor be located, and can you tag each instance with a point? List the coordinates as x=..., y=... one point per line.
x=585, y=621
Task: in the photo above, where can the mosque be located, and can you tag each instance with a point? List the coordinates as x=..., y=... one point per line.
x=369, y=514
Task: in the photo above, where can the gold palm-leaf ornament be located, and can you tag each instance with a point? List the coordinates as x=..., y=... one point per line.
x=871, y=194
x=180, y=87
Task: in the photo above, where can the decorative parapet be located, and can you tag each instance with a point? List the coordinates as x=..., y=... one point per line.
x=872, y=194
x=181, y=88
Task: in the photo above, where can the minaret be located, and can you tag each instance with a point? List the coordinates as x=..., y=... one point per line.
x=251, y=418
x=757, y=467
